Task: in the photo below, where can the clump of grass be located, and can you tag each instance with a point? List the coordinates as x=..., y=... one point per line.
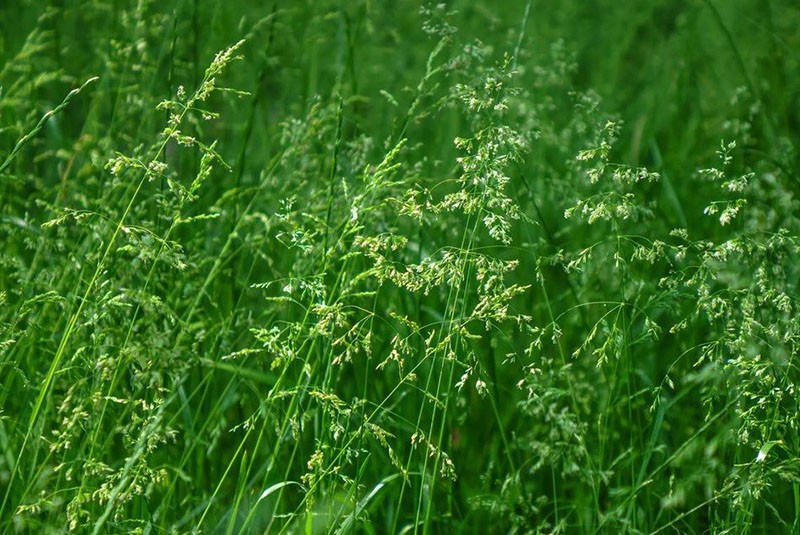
x=374, y=269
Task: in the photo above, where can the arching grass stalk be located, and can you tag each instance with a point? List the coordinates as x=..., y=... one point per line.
x=146, y=172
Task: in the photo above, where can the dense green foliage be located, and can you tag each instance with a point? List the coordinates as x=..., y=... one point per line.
x=356, y=266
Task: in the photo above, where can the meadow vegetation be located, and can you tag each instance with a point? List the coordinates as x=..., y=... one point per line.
x=369, y=267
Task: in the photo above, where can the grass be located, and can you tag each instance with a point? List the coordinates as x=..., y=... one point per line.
x=362, y=267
